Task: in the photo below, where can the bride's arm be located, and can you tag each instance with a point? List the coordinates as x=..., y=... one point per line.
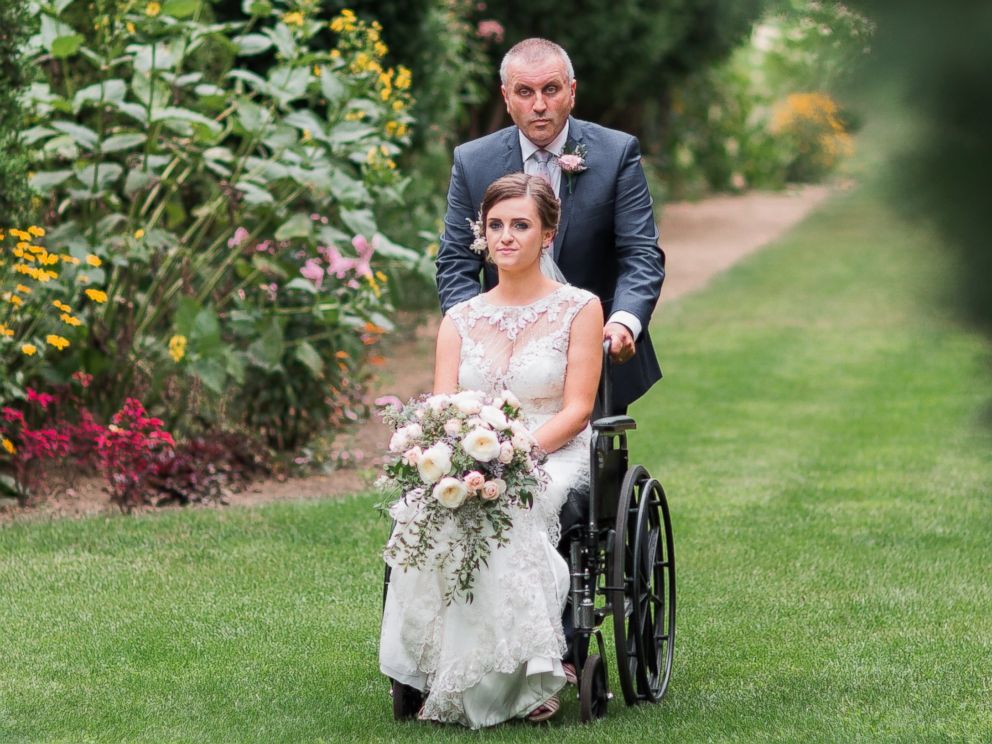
x=448, y=352
x=585, y=363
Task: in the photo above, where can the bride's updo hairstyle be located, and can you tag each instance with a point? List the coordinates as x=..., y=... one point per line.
x=516, y=185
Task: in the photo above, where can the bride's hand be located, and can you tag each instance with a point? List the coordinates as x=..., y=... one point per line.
x=622, y=347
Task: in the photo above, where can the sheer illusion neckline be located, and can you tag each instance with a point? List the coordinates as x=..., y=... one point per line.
x=484, y=300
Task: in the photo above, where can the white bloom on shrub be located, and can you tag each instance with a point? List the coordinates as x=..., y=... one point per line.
x=490, y=491
x=412, y=455
x=494, y=417
x=450, y=492
x=474, y=480
x=453, y=427
x=482, y=444
x=505, y=455
x=435, y=462
x=467, y=402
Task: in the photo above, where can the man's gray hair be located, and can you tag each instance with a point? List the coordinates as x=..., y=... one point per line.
x=530, y=51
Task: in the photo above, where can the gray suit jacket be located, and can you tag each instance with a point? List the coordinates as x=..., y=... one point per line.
x=607, y=241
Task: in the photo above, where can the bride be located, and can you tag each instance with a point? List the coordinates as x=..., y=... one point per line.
x=499, y=657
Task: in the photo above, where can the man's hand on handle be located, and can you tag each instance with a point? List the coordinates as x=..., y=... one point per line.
x=621, y=342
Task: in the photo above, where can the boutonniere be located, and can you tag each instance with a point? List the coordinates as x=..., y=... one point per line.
x=572, y=162
x=478, y=245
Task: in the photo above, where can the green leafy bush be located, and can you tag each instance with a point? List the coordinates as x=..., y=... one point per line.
x=218, y=168
x=13, y=78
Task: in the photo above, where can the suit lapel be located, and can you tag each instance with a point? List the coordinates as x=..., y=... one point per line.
x=513, y=159
x=565, y=195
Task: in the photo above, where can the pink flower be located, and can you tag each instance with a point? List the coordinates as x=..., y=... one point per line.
x=388, y=400
x=363, y=266
x=336, y=263
x=270, y=290
x=42, y=399
x=264, y=246
x=313, y=271
x=474, y=480
x=491, y=30
x=490, y=491
x=572, y=163
x=239, y=237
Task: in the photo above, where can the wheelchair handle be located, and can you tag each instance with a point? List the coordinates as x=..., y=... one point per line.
x=605, y=391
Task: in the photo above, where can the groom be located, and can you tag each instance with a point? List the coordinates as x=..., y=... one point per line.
x=607, y=241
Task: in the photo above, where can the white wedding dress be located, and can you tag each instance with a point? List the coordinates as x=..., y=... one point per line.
x=498, y=657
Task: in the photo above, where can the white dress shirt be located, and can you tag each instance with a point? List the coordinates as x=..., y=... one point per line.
x=527, y=150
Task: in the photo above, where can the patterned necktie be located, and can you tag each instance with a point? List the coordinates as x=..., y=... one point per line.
x=542, y=157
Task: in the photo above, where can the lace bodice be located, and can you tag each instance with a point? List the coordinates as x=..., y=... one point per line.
x=521, y=348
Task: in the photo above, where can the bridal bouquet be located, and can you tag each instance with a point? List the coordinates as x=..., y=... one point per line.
x=461, y=465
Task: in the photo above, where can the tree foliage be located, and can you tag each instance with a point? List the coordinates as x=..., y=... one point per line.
x=13, y=77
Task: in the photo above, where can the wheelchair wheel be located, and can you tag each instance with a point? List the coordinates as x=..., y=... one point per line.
x=406, y=701
x=642, y=591
x=594, y=693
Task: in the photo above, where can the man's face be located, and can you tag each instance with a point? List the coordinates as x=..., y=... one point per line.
x=539, y=98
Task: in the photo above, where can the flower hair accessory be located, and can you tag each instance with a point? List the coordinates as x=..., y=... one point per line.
x=572, y=162
x=479, y=245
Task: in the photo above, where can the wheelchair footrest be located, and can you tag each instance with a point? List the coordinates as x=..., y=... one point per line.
x=613, y=424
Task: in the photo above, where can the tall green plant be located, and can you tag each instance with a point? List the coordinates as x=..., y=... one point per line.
x=13, y=78
x=219, y=196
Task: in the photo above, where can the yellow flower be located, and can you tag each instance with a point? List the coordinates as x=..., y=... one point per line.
x=93, y=260
x=28, y=349
x=392, y=127
x=354, y=115
x=22, y=289
x=38, y=232
x=307, y=135
x=138, y=235
x=66, y=258
x=373, y=284
x=403, y=77
x=62, y=306
x=15, y=300
x=335, y=53
x=381, y=277
x=177, y=348
x=20, y=234
x=2, y=236
x=70, y=320
x=153, y=9
x=57, y=341
x=380, y=49
x=318, y=70
x=96, y=295
x=9, y=446
x=130, y=27
x=294, y=18
x=398, y=104
x=5, y=331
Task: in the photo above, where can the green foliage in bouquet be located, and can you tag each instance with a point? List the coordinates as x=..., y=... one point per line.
x=218, y=169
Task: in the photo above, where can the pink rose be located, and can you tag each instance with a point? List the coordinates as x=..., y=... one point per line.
x=505, y=453
x=474, y=481
x=412, y=455
x=490, y=491
x=571, y=163
x=453, y=427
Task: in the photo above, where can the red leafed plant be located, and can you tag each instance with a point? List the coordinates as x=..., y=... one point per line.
x=130, y=450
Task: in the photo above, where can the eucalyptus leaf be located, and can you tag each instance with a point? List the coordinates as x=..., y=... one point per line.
x=298, y=226
x=83, y=136
x=119, y=142
x=308, y=356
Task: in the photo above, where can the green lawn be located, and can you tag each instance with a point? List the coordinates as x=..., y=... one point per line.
x=824, y=435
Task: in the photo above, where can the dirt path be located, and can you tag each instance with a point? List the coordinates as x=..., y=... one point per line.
x=701, y=239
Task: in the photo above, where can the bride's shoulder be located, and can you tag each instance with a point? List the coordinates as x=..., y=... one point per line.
x=577, y=295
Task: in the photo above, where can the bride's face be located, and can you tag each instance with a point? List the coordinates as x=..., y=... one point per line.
x=515, y=235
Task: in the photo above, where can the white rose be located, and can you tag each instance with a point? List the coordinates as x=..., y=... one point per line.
x=412, y=455
x=398, y=442
x=490, y=491
x=450, y=492
x=414, y=431
x=494, y=417
x=500, y=484
x=435, y=462
x=453, y=427
x=437, y=403
x=518, y=428
x=476, y=423
x=481, y=444
x=505, y=453
x=467, y=402
x=522, y=442
x=510, y=399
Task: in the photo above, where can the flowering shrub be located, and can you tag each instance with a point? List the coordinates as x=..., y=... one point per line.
x=129, y=451
x=464, y=460
x=196, y=180
x=42, y=296
x=750, y=121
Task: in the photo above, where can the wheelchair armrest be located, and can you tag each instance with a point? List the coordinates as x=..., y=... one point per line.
x=613, y=424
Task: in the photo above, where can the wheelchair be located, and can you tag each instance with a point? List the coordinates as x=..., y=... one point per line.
x=621, y=555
